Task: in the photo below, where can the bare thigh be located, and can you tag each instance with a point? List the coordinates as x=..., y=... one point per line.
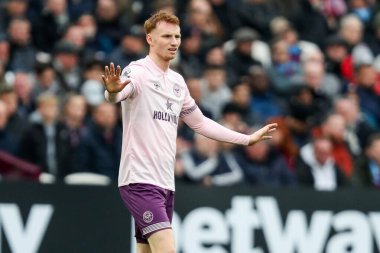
x=143, y=248
x=162, y=241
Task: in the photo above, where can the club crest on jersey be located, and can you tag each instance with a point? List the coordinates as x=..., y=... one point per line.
x=177, y=90
x=157, y=85
x=148, y=216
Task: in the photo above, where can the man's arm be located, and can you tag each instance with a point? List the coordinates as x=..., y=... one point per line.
x=209, y=128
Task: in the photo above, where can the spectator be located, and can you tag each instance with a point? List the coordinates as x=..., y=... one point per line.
x=201, y=16
x=78, y=8
x=333, y=10
x=309, y=15
x=241, y=98
x=4, y=53
x=215, y=92
x=365, y=11
x=358, y=129
x=22, y=51
x=215, y=56
x=12, y=9
x=264, y=166
x=317, y=79
x=259, y=49
x=132, y=47
x=239, y=59
x=7, y=142
x=185, y=137
x=75, y=35
x=45, y=143
x=367, y=172
x=317, y=168
x=66, y=62
x=258, y=15
x=93, y=43
x=334, y=127
x=101, y=149
x=306, y=109
x=365, y=88
x=23, y=85
x=264, y=103
x=74, y=120
x=283, y=141
x=50, y=25
x=190, y=53
x=298, y=48
x=201, y=160
x=228, y=171
x=195, y=88
x=374, y=41
x=17, y=124
x=93, y=92
x=284, y=70
x=336, y=53
x=92, y=87
x=228, y=16
x=46, y=81
x=232, y=115
x=351, y=29
x=110, y=23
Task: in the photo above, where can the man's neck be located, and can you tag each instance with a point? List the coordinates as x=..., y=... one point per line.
x=162, y=64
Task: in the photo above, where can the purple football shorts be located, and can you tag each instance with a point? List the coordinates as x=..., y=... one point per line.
x=151, y=207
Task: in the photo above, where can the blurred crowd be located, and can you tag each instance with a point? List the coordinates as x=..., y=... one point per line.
x=312, y=66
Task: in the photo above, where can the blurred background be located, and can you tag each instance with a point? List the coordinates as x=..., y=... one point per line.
x=312, y=66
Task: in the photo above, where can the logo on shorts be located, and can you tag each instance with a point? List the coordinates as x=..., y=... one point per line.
x=148, y=216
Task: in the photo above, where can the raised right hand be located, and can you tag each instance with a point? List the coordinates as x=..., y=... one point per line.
x=111, y=80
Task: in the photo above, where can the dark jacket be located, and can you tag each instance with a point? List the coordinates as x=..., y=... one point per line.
x=33, y=148
x=273, y=171
x=305, y=176
x=99, y=154
x=362, y=175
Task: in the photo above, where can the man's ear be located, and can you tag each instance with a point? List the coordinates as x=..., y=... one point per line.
x=149, y=39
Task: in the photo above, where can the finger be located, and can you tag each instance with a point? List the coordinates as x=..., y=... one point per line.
x=104, y=82
x=112, y=69
x=271, y=130
x=107, y=71
x=118, y=70
x=273, y=125
x=126, y=82
x=266, y=137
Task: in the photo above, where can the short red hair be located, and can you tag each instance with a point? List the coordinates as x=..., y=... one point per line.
x=157, y=17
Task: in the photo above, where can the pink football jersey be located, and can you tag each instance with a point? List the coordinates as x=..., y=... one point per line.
x=151, y=106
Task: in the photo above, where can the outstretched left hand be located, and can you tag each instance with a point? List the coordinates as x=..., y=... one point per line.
x=262, y=134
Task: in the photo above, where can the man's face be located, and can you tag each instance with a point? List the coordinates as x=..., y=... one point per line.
x=164, y=40
x=366, y=76
x=322, y=150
